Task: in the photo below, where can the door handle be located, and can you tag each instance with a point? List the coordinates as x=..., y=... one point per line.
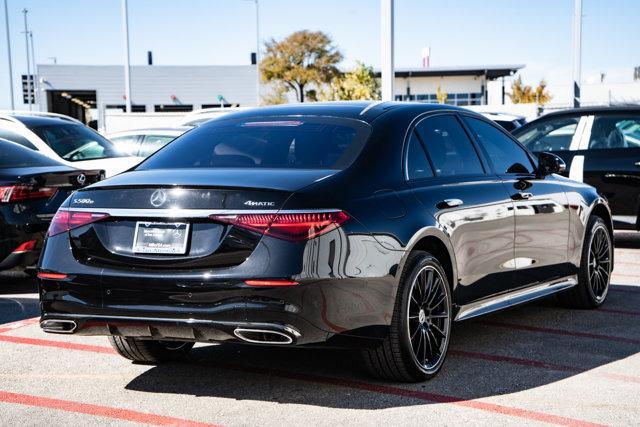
x=449, y=203
x=522, y=196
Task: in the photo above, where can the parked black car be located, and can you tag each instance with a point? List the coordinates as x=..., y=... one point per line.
x=32, y=188
x=602, y=147
x=367, y=224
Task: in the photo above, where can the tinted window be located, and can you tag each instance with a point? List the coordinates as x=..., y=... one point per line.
x=615, y=132
x=75, y=142
x=548, y=135
x=449, y=147
x=17, y=138
x=152, y=143
x=265, y=142
x=505, y=155
x=417, y=163
x=16, y=156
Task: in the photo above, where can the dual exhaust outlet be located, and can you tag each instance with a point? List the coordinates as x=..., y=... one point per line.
x=250, y=335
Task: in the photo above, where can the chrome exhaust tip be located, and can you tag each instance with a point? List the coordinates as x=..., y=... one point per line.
x=263, y=336
x=59, y=326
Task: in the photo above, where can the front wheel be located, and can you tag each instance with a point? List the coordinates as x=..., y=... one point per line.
x=595, y=268
x=418, y=338
x=149, y=351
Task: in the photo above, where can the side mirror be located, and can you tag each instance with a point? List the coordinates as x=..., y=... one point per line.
x=550, y=163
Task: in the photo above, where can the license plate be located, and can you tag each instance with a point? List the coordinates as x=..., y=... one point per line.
x=160, y=238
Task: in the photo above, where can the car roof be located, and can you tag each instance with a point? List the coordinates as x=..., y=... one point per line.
x=360, y=110
x=38, y=120
x=595, y=110
x=148, y=130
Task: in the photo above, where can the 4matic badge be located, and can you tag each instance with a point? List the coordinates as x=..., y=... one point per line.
x=252, y=203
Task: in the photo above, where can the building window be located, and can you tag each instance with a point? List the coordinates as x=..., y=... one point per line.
x=172, y=108
x=463, y=98
x=219, y=105
x=134, y=108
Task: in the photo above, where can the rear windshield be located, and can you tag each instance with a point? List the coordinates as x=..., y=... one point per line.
x=75, y=142
x=16, y=156
x=265, y=142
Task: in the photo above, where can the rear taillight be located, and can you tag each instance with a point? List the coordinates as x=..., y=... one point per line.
x=25, y=247
x=68, y=220
x=22, y=192
x=290, y=226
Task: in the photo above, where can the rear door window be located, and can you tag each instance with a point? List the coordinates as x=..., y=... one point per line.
x=417, y=164
x=450, y=150
x=300, y=142
x=615, y=131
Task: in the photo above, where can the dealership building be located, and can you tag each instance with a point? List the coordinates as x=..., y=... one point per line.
x=87, y=91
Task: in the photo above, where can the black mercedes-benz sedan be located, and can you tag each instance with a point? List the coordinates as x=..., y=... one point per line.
x=601, y=145
x=374, y=225
x=32, y=188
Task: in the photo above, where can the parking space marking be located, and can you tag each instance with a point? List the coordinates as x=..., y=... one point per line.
x=563, y=332
x=59, y=344
x=376, y=388
x=623, y=312
x=18, y=324
x=97, y=410
x=416, y=394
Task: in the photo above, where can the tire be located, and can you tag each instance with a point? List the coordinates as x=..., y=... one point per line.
x=399, y=357
x=595, y=270
x=150, y=351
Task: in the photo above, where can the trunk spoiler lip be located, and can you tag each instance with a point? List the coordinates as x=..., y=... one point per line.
x=188, y=213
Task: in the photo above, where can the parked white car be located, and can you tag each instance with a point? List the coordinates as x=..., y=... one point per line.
x=144, y=142
x=198, y=117
x=66, y=140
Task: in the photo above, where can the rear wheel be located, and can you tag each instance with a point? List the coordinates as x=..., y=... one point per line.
x=150, y=351
x=418, y=339
x=595, y=268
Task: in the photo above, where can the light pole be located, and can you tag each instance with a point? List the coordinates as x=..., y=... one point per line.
x=26, y=41
x=6, y=19
x=577, y=51
x=36, y=83
x=257, y=51
x=127, y=67
x=386, y=49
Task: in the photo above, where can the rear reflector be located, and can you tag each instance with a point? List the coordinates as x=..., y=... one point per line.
x=68, y=220
x=271, y=282
x=22, y=192
x=51, y=276
x=25, y=247
x=289, y=226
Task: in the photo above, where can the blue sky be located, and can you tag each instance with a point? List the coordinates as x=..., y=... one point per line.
x=460, y=32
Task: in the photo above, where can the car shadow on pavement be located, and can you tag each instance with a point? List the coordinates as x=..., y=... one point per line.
x=13, y=305
x=489, y=356
x=627, y=240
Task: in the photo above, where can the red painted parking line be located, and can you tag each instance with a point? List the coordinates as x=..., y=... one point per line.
x=18, y=324
x=431, y=397
x=416, y=394
x=59, y=344
x=97, y=410
x=560, y=332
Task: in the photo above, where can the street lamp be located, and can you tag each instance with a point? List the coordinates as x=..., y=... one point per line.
x=127, y=67
x=6, y=18
x=257, y=51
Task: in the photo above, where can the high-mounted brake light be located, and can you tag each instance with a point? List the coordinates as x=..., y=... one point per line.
x=289, y=226
x=22, y=192
x=68, y=220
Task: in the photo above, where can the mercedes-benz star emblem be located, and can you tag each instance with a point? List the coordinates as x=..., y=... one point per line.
x=82, y=178
x=158, y=198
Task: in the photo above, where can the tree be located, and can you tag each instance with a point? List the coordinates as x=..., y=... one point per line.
x=525, y=94
x=357, y=84
x=303, y=58
x=441, y=95
x=277, y=96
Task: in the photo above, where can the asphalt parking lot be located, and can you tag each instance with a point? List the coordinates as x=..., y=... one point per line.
x=536, y=364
